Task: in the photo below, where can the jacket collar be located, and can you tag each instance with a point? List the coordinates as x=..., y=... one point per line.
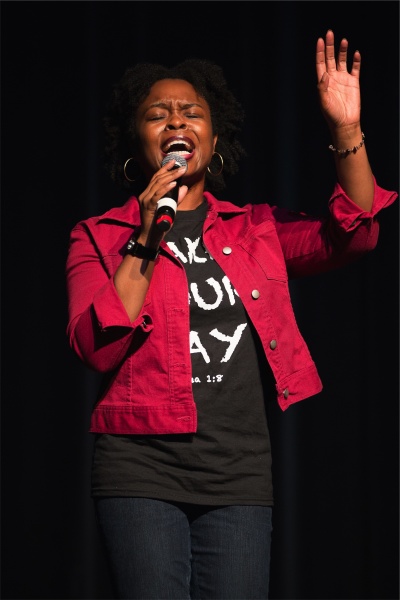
x=129, y=212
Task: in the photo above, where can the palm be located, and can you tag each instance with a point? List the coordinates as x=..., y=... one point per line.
x=339, y=90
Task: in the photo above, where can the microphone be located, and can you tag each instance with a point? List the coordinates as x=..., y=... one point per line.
x=166, y=207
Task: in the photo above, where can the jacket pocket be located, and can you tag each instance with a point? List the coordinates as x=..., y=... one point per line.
x=263, y=245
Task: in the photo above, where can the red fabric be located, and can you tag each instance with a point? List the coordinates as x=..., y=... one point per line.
x=147, y=388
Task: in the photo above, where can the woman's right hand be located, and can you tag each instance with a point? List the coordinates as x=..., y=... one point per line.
x=158, y=187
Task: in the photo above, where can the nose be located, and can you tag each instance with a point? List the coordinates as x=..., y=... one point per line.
x=176, y=122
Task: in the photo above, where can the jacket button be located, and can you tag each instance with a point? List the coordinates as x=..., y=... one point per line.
x=285, y=393
x=226, y=250
x=272, y=344
x=255, y=294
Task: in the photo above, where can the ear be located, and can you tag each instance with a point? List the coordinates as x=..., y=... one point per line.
x=215, y=139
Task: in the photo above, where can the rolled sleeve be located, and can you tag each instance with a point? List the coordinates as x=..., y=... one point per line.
x=109, y=309
x=349, y=215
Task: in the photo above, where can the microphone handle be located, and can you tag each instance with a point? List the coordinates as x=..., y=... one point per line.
x=166, y=209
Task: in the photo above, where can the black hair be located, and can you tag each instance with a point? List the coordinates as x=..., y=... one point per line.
x=209, y=82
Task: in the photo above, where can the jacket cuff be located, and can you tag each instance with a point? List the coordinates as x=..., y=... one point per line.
x=349, y=215
x=109, y=309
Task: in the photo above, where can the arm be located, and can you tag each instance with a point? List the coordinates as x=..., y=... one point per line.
x=133, y=276
x=339, y=95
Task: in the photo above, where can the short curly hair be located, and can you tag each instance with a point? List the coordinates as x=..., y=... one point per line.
x=209, y=82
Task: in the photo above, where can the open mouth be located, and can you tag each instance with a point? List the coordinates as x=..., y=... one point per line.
x=179, y=146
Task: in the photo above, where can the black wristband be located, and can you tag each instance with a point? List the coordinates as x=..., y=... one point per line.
x=135, y=249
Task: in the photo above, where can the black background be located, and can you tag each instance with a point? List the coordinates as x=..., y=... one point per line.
x=336, y=455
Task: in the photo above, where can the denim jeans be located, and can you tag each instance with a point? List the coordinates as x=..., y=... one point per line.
x=165, y=550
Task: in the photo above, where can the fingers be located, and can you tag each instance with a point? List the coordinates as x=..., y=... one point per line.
x=159, y=185
x=325, y=56
x=330, y=51
x=342, y=56
x=355, y=70
x=320, y=59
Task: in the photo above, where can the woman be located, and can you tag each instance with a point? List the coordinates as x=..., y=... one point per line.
x=184, y=320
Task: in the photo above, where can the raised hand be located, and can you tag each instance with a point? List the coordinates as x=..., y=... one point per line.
x=339, y=89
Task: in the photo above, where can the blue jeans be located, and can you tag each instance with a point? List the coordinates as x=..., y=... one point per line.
x=165, y=550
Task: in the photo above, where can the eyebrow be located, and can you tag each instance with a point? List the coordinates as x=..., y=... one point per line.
x=165, y=105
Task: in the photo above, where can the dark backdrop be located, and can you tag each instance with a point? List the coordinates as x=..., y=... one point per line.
x=336, y=454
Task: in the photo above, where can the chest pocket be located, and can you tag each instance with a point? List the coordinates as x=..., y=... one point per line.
x=262, y=244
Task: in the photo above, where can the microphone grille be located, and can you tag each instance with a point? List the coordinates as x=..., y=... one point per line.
x=179, y=160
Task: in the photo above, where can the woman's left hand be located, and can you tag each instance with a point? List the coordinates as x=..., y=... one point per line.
x=339, y=90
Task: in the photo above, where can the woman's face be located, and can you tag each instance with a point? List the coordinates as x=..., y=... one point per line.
x=174, y=118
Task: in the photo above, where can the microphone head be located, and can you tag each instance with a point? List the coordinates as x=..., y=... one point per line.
x=179, y=160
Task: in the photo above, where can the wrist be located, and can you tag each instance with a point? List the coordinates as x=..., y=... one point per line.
x=346, y=137
x=344, y=151
x=135, y=248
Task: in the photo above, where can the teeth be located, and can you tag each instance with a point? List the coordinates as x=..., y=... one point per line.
x=169, y=147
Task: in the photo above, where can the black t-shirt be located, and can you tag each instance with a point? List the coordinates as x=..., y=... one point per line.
x=228, y=459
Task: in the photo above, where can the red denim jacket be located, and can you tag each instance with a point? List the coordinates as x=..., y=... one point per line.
x=147, y=364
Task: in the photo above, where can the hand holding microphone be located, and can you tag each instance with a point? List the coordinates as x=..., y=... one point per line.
x=166, y=207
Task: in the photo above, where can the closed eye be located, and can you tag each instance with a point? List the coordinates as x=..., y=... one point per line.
x=156, y=117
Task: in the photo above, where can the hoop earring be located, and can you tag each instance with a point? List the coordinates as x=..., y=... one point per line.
x=221, y=168
x=125, y=165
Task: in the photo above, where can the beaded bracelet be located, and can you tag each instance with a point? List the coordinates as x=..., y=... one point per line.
x=349, y=150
